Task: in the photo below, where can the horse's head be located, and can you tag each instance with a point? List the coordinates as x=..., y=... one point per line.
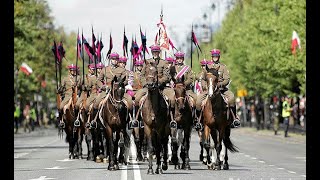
x=212, y=77
x=117, y=90
x=151, y=76
x=180, y=92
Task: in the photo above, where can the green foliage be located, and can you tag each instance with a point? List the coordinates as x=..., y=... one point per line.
x=255, y=44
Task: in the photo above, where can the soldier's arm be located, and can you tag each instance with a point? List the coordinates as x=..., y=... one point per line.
x=101, y=78
x=165, y=73
x=225, y=77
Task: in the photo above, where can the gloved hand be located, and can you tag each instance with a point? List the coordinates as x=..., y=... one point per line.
x=60, y=90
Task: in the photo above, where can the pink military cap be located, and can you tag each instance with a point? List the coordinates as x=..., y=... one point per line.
x=114, y=55
x=91, y=66
x=100, y=65
x=123, y=59
x=215, y=52
x=170, y=59
x=155, y=47
x=138, y=63
x=179, y=54
x=72, y=67
x=203, y=62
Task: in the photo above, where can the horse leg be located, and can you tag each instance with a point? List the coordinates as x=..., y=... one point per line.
x=111, y=148
x=75, y=139
x=206, y=144
x=218, y=146
x=121, y=145
x=148, y=134
x=137, y=142
x=158, y=154
x=201, y=146
x=115, y=144
x=88, y=138
x=174, y=146
x=105, y=146
x=165, y=153
x=186, y=142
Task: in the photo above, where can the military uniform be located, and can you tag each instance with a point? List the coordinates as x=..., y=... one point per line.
x=126, y=96
x=67, y=85
x=204, y=88
x=163, y=78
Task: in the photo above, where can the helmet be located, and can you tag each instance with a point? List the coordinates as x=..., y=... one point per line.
x=100, y=65
x=114, y=55
x=170, y=59
x=155, y=48
x=72, y=67
x=91, y=66
x=179, y=54
x=123, y=59
x=215, y=52
x=138, y=63
x=203, y=62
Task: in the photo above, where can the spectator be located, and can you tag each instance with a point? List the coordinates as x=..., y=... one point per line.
x=286, y=111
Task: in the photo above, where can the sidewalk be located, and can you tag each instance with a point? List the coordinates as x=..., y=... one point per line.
x=37, y=131
x=269, y=134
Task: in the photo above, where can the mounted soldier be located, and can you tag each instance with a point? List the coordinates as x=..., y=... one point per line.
x=67, y=88
x=162, y=76
x=223, y=84
x=105, y=78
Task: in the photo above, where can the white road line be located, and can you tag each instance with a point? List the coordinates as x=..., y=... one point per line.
x=253, y=158
x=124, y=172
x=300, y=157
x=292, y=172
x=247, y=155
x=32, y=150
x=42, y=178
x=65, y=160
x=262, y=162
x=280, y=168
x=271, y=165
x=18, y=155
x=55, y=167
x=136, y=169
x=303, y=175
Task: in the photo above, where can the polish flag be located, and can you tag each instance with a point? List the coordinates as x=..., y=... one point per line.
x=295, y=42
x=26, y=69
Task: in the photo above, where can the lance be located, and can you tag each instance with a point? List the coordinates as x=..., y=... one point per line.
x=54, y=50
x=191, y=45
x=82, y=54
x=93, y=51
x=77, y=56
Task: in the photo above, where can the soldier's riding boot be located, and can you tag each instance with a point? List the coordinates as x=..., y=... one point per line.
x=197, y=124
x=93, y=122
x=77, y=121
x=133, y=123
x=236, y=121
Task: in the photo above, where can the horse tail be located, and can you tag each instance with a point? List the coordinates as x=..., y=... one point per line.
x=229, y=145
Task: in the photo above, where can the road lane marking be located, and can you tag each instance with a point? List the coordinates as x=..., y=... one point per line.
x=292, y=172
x=65, y=160
x=42, y=178
x=280, y=168
x=253, y=158
x=124, y=172
x=18, y=155
x=55, y=167
x=262, y=162
x=247, y=155
x=303, y=175
x=271, y=165
x=136, y=169
x=32, y=150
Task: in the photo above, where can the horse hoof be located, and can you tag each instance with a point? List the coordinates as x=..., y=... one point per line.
x=217, y=168
x=139, y=158
x=105, y=160
x=98, y=160
x=150, y=171
x=164, y=167
x=159, y=171
x=111, y=168
x=116, y=167
x=90, y=158
x=225, y=166
x=187, y=167
x=177, y=166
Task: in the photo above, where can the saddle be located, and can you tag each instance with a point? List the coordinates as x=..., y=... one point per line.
x=67, y=106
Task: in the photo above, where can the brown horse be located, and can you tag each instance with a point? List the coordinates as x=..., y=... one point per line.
x=155, y=116
x=217, y=121
x=181, y=132
x=114, y=115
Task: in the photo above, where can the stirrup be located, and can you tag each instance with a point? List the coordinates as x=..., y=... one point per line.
x=133, y=124
x=198, y=127
x=236, y=123
x=76, y=123
x=141, y=124
x=87, y=125
x=94, y=124
x=62, y=124
x=173, y=124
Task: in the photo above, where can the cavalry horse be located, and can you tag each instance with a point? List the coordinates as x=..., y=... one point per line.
x=155, y=115
x=114, y=115
x=182, y=127
x=217, y=120
x=73, y=133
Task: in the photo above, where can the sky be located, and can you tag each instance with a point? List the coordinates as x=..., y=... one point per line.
x=111, y=16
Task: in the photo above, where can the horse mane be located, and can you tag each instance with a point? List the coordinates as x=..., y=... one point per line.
x=212, y=71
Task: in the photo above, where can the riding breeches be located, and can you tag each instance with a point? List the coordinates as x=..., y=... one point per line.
x=229, y=96
x=128, y=99
x=200, y=99
x=99, y=98
x=90, y=101
x=139, y=94
x=64, y=102
x=80, y=99
x=170, y=94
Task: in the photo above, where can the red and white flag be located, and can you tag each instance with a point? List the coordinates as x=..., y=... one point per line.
x=26, y=69
x=295, y=42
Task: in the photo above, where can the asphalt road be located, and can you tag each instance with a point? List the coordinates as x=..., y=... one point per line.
x=41, y=155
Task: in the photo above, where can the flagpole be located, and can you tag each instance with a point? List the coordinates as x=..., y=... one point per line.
x=191, y=46
x=94, y=54
x=77, y=55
